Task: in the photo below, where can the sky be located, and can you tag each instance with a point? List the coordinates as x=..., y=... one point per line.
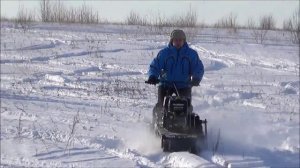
x=208, y=11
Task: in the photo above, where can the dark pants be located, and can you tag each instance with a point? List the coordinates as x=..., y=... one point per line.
x=164, y=91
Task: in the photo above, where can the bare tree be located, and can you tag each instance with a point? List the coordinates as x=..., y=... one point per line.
x=135, y=18
x=45, y=8
x=56, y=11
x=293, y=26
x=229, y=21
x=24, y=18
x=188, y=19
x=258, y=33
x=267, y=22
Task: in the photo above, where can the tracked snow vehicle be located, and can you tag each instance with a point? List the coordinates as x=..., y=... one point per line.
x=179, y=128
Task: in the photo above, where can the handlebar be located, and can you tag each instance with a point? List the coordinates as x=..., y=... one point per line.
x=147, y=82
x=172, y=82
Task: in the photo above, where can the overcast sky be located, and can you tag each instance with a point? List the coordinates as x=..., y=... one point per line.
x=208, y=11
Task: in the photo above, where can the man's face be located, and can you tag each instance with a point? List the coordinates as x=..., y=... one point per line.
x=178, y=43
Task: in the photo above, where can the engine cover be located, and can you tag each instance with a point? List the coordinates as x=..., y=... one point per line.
x=177, y=106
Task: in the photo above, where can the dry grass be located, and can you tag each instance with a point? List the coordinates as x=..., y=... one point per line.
x=56, y=11
x=188, y=19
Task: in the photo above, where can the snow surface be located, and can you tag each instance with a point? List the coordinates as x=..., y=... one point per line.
x=74, y=96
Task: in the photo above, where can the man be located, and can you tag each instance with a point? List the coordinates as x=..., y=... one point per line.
x=177, y=65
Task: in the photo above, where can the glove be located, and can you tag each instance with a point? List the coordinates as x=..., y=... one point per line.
x=195, y=82
x=153, y=80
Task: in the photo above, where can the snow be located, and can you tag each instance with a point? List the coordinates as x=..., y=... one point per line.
x=74, y=96
x=183, y=159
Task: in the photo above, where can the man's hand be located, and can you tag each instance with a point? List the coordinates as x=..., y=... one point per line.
x=195, y=82
x=153, y=80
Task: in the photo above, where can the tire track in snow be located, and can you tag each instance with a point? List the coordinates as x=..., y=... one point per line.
x=223, y=60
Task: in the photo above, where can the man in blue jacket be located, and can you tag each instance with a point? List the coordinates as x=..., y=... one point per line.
x=177, y=65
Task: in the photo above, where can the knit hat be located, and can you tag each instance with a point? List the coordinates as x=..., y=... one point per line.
x=178, y=34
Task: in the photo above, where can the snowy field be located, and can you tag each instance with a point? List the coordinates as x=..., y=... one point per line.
x=74, y=96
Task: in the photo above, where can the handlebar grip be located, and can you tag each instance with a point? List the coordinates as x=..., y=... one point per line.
x=147, y=82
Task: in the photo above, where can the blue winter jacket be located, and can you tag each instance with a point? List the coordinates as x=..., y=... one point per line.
x=176, y=66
